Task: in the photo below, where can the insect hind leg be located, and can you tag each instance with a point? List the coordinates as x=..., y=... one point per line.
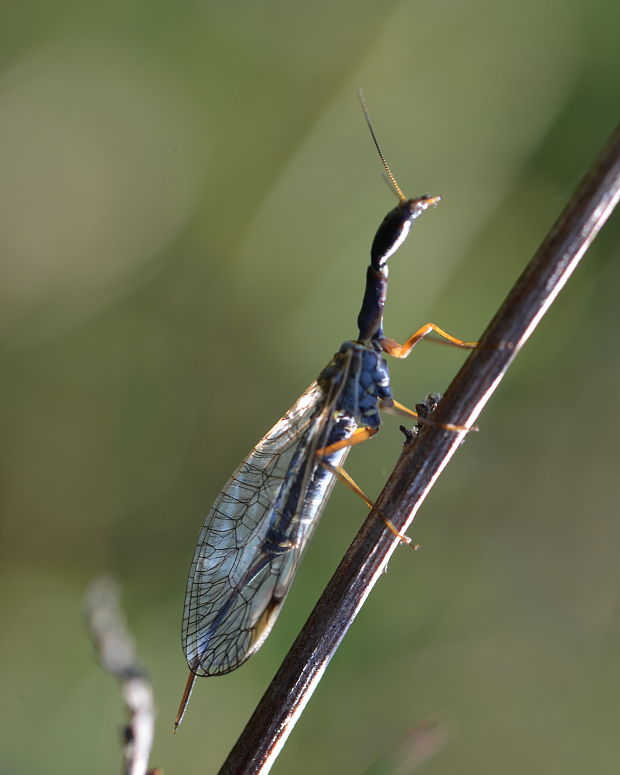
x=360, y=435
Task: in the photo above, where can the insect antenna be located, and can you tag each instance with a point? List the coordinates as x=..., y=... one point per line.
x=394, y=185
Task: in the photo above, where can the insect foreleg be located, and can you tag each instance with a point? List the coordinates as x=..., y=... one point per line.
x=392, y=347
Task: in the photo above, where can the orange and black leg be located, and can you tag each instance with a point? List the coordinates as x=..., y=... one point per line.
x=397, y=350
x=392, y=347
x=397, y=409
x=358, y=436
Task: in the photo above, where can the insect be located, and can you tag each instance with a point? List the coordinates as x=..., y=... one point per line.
x=250, y=545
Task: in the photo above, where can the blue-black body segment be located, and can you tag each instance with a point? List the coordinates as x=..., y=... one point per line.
x=390, y=235
x=370, y=318
x=365, y=382
x=306, y=487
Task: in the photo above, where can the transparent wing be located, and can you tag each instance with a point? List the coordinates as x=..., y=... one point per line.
x=251, y=542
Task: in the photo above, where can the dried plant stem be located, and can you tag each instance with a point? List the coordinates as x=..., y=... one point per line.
x=116, y=651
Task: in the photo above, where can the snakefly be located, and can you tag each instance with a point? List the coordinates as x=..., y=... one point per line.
x=251, y=543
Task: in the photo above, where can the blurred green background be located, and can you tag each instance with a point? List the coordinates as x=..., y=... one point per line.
x=188, y=193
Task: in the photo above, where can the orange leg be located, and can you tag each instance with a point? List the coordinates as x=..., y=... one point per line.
x=359, y=435
x=402, y=411
x=392, y=347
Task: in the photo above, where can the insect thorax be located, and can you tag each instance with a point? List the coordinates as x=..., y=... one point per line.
x=359, y=378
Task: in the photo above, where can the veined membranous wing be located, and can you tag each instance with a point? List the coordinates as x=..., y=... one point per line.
x=251, y=542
